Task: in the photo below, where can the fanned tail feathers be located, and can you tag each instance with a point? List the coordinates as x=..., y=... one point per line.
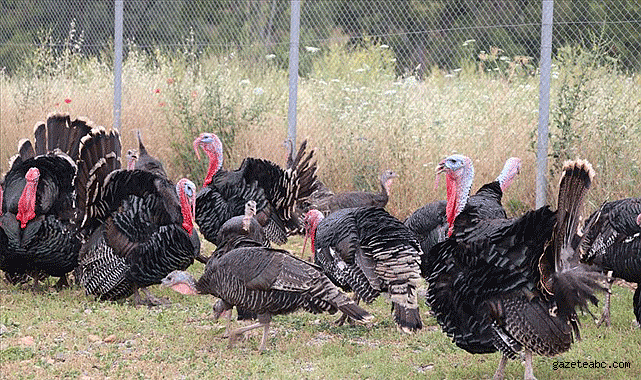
x=574, y=288
x=575, y=182
x=60, y=132
x=571, y=285
x=99, y=156
x=296, y=185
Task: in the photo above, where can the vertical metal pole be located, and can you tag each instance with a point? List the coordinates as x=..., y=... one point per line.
x=544, y=104
x=118, y=63
x=294, y=33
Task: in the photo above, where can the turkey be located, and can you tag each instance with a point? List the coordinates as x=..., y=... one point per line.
x=328, y=202
x=144, y=161
x=429, y=223
x=245, y=226
x=37, y=215
x=275, y=191
x=268, y=282
x=368, y=251
x=612, y=242
x=138, y=226
x=512, y=285
x=241, y=231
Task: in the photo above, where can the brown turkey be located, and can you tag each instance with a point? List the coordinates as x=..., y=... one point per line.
x=511, y=285
x=268, y=282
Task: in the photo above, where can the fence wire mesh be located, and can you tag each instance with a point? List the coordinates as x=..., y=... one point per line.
x=383, y=84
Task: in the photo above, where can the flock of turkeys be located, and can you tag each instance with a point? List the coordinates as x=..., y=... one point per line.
x=494, y=283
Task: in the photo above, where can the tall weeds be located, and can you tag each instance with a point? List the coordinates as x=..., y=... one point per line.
x=358, y=115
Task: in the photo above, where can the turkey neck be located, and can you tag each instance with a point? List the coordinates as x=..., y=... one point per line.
x=510, y=170
x=458, y=191
x=386, y=188
x=311, y=232
x=27, y=201
x=187, y=213
x=215, y=163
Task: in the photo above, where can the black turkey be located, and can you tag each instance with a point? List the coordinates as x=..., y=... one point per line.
x=37, y=215
x=429, y=223
x=138, y=225
x=268, y=282
x=612, y=242
x=512, y=285
x=275, y=191
x=143, y=160
x=328, y=202
x=368, y=251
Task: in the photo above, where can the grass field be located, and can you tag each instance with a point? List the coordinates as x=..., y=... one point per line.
x=66, y=334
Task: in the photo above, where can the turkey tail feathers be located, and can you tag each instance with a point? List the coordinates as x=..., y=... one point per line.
x=572, y=286
x=25, y=150
x=99, y=156
x=575, y=181
x=40, y=138
x=355, y=312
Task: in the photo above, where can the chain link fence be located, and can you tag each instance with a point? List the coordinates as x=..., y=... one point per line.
x=383, y=84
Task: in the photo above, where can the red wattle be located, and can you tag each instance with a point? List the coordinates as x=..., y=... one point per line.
x=452, y=201
x=27, y=204
x=185, y=209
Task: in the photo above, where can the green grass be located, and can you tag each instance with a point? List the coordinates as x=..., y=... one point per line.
x=66, y=334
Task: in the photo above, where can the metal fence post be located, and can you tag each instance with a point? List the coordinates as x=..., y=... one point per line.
x=118, y=63
x=294, y=34
x=544, y=103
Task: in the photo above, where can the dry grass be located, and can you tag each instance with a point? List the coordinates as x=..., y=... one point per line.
x=360, y=119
